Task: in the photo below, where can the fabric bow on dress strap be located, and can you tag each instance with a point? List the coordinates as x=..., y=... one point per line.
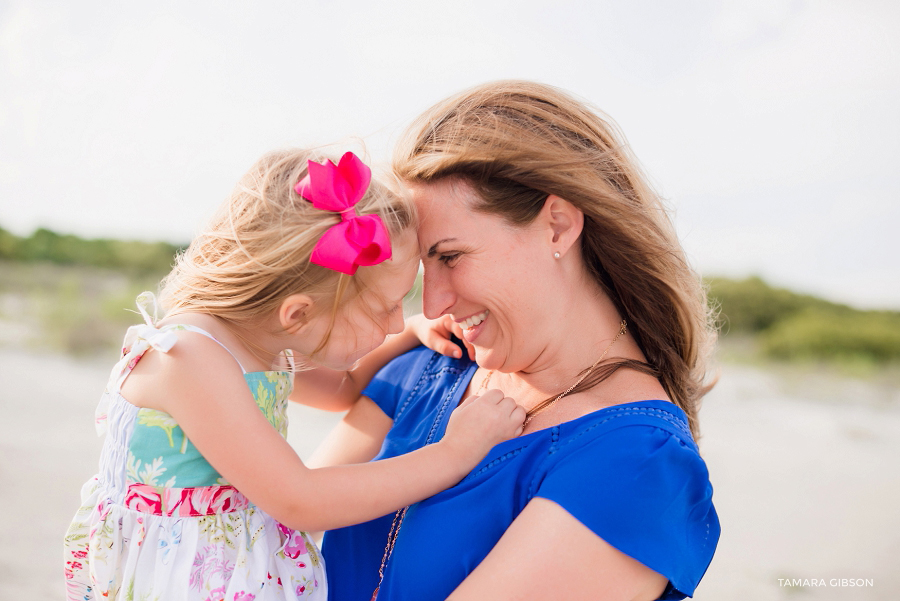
x=156, y=338
x=138, y=339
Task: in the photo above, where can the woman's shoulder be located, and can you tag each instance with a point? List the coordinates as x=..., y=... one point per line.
x=606, y=449
x=634, y=422
x=633, y=476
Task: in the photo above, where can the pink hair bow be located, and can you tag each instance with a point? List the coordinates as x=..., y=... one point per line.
x=356, y=240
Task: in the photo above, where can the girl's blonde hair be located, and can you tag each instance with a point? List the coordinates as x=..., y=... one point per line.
x=515, y=143
x=255, y=251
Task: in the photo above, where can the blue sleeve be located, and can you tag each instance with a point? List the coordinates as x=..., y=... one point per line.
x=644, y=491
x=393, y=384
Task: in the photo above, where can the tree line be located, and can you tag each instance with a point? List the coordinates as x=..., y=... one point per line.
x=786, y=324
x=791, y=326
x=68, y=249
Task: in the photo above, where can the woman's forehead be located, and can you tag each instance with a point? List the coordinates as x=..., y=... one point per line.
x=442, y=207
x=445, y=194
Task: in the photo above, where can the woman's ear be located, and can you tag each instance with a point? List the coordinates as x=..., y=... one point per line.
x=294, y=312
x=564, y=222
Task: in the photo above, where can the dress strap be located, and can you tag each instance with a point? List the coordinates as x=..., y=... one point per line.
x=190, y=328
x=289, y=358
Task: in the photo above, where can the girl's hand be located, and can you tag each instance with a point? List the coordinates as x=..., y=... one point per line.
x=435, y=334
x=481, y=422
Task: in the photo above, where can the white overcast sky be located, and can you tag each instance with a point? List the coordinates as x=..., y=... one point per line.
x=771, y=126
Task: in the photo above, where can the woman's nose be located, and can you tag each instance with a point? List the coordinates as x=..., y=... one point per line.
x=437, y=294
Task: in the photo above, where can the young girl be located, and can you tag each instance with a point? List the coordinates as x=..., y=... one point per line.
x=198, y=494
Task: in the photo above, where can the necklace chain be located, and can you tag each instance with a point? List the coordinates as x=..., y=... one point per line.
x=623, y=327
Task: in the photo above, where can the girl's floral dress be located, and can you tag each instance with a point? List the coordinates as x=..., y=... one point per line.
x=159, y=523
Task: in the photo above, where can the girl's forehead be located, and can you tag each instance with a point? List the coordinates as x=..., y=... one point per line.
x=396, y=277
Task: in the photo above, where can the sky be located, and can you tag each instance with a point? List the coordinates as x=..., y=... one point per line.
x=771, y=127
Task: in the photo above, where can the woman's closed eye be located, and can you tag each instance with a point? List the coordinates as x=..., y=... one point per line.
x=449, y=258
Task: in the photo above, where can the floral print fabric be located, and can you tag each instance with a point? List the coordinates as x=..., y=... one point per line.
x=159, y=523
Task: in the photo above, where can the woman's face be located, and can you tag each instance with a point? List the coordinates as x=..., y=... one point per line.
x=495, y=279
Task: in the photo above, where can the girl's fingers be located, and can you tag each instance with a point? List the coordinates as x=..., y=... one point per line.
x=441, y=329
x=435, y=334
x=452, y=328
x=490, y=396
x=466, y=401
x=451, y=350
x=440, y=342
x=493, y=395
x=456, y=329
x=519, y=413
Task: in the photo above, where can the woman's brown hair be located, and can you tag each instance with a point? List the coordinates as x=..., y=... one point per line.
x=515, y=143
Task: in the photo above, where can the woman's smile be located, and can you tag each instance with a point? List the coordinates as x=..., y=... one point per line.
x=472, y=325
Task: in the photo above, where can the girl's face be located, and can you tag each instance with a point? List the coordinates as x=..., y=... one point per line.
x=362, y=324
x=495, y=279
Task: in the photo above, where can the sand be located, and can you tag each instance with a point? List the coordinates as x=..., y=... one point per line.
x=804, y=471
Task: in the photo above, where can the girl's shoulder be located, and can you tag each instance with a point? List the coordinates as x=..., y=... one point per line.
x=158, y=361
x=213, y=328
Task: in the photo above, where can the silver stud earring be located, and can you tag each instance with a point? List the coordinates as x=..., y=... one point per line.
x=555, y=255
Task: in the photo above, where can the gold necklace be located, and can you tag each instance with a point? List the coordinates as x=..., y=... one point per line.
x=623, y=327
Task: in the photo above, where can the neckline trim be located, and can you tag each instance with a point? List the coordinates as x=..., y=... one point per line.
x=660, y=404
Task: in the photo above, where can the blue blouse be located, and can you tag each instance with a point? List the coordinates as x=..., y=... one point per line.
x=631, y=473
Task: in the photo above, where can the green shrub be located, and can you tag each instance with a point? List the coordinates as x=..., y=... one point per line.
x=838, y=335
x=74, y=309
x=751, y=305
x=66, y=249
x=9, y=243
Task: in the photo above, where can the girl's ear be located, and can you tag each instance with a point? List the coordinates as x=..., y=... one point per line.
x=294, y=312
x=564, y=221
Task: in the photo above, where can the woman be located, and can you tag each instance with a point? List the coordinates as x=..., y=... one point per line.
x=546, y=250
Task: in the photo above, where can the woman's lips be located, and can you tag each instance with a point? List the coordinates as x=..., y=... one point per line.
x=472, y=326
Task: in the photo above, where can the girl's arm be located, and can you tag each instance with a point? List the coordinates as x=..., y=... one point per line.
x=334, y=390
x=356, y=439
x=215, y=409
x=582, y=565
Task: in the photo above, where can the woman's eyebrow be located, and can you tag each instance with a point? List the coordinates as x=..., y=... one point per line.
x=433, y=250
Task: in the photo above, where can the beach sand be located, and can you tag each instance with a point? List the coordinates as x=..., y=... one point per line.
x=804, y=474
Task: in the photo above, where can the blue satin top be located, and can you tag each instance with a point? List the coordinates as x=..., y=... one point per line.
x=630, y=473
